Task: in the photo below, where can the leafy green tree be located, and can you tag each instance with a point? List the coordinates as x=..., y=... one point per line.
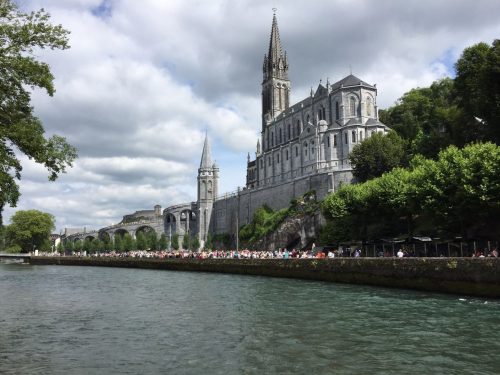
x=195, y=244
x=175, y=242
x=69, y=246
x=87, y=245
x=128, y=242
x=376, y=155
x=141, y=241
x=118, y=243
x=163, y=242
x=209, y=245
x=186, y=241
x=478, y=89
x=78, y=246
x=30, y=230
x=21, y=132
x=60, y=247
x=152, y=240
x=107, y=244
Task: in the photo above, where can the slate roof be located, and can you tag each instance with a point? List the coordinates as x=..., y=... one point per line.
x=350, y=80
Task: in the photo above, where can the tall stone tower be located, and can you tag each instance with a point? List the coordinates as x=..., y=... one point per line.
x=208, y=179
x=275, y=84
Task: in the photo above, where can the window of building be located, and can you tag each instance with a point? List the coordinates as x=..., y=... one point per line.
x=352, y=106
x=335, y=141
x=272, y=139
x=280, y=137
x=328, y=141
x=298, y=127
x=296, y=151
x=286, y=154
x=353, y=133
x=269, y=160
x=278, y=158
x=369, y=106
x=289, y=135
x=346, y=138
x=337, y=111
x=307, y=119
x=305, y=148
x=261, y=163
x=360, y=135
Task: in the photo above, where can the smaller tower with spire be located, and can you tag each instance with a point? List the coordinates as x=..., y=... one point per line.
x=208, y=178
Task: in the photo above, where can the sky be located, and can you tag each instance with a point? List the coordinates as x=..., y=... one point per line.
x=144, y=80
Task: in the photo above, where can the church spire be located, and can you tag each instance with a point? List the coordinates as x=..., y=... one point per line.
x=275, y=62
x=206, y=157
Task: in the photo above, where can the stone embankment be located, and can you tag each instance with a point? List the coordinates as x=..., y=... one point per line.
x=466, y=276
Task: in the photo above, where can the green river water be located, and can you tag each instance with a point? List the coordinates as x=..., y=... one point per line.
x=85, y=320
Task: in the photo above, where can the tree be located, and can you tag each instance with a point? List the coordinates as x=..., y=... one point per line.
x=209, y=243
x=478, y=90
x=175, y=242
x=118, y=243
x=186, y=241
x=377, y=154
x=69, y=246
x=152, y=240
x=21, y=132
x=60, y=247
x=195, y=244
x=78, y=246
x=87, y=245
x=128, y=242
x=141, y=241
x=30, y=230
x=163, y=242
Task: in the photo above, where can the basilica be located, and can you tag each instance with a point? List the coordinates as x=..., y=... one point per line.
x=303, y=147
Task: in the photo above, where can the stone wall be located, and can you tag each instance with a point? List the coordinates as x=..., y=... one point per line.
x=466, y=276
x=278, y=196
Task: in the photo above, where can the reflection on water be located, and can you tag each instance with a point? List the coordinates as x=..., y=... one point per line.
x=83, y=320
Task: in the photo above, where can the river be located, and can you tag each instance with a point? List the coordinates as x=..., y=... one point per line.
x=85, y=320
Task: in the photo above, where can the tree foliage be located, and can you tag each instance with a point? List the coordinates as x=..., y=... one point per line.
x=376, y=155
x=163, y=242
x=21, y=132
x=175, y=242
x=30, y=230
x=457, y=194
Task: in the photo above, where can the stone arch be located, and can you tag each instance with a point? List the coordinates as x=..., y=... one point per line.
x=187, y=220
x=144, y=229
x=121, y=232
x=104, y=236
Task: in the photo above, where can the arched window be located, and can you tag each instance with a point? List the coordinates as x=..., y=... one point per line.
x=307, y=119
x=328, y=141
x=296, y=151
x=369, y=106
x=337, y=111
x=289, y=135
x=298, y=127
x=286, y=154
x=352, y=106
x=335, y=140
x=305, y=148
x=280, y=137
x=269, y=161
x=278, y=158
x=353, y=136
x=346, y=137
x=272, y=139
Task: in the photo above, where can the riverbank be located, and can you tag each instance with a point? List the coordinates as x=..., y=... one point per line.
x=467, y=276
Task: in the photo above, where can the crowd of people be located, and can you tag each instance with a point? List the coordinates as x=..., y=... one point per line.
x=313, y=253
